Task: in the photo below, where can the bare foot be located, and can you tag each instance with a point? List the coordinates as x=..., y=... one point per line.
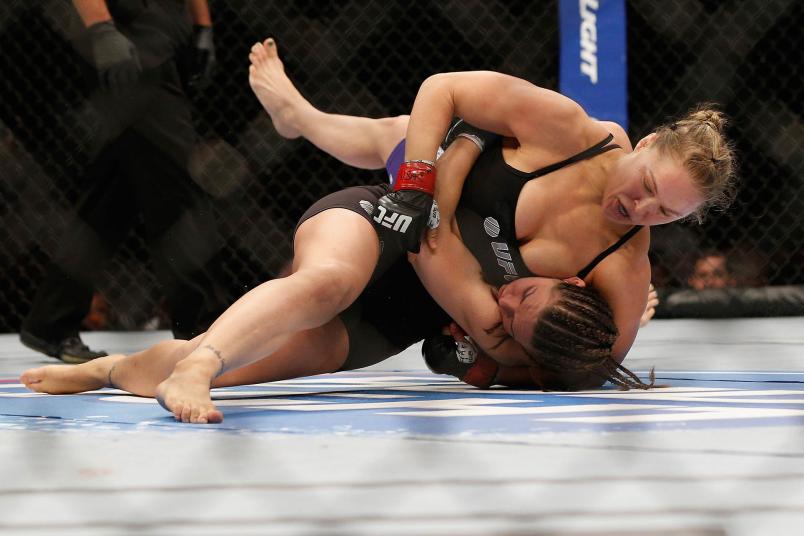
x=70, y=379
x=273, y=88
x=185, y=393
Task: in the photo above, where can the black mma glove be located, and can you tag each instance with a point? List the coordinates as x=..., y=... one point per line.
x=202, y=56
x=115, y=56
x=462, y=129
x=410, y=207
x=461, y=359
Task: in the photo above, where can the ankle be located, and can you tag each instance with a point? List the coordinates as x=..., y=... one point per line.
x=104, y=368
x=303, y=114
x=202, y=362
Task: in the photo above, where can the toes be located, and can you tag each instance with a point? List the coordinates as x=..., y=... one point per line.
x=29, y=377
x=186, y=413
x=270, y=48
x=33, y=379
x=191, y=413
x=198, y=416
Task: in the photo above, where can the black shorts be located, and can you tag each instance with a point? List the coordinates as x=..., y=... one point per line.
x=362, y=200
x=394, y=311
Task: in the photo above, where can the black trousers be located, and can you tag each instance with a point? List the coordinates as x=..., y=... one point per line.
x=132, y=176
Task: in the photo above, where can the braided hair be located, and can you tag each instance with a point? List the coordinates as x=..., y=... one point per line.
x=574, y=335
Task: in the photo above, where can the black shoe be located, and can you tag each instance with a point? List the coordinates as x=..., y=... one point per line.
x=70, y=350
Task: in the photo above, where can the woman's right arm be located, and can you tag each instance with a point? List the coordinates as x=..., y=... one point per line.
x=453, y=278
x=543, y=120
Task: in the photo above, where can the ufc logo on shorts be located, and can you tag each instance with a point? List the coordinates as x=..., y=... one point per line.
x=394, y=220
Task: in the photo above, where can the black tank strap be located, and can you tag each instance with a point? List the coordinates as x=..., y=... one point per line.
x=598, y=148
x=611, y=249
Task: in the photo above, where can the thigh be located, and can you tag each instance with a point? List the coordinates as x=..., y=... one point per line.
x=342, y=247
x=391, y=134
x=336, y=252
x=306, y=353
x=367, y=344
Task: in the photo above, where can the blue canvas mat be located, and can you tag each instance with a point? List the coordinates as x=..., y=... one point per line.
x=417, y=403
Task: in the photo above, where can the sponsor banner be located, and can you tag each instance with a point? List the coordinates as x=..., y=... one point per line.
x=593, y=57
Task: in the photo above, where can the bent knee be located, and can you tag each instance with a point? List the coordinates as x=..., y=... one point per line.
x=333, y=286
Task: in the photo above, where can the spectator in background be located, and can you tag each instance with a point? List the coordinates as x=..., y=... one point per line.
x=141, y=52
x=748, y=266
x=711, y=270
x=731, y=286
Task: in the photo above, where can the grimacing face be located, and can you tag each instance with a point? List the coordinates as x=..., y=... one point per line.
x=522, y=301
x=650, y=188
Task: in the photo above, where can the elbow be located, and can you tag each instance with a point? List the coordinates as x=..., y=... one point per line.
x=436, y=80
x=439, y=85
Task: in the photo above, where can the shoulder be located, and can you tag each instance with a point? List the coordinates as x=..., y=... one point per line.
x=623, y=281
x=628, y=264
x=620, y=135
x=558, y=128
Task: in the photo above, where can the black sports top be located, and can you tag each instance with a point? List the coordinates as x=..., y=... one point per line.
x=485, y=213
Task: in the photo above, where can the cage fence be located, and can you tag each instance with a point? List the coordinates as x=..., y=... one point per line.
x=367, y=58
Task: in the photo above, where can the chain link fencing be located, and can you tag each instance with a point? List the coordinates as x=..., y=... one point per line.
x=367, y=58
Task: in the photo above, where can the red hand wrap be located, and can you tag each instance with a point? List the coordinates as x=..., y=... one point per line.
x=416, y=175
x=483, y=373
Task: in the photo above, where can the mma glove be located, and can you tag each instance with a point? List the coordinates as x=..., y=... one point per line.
x=461, y=359
x=462, y=129
x=202, y=56
x=410, y=207
x=115, y=56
